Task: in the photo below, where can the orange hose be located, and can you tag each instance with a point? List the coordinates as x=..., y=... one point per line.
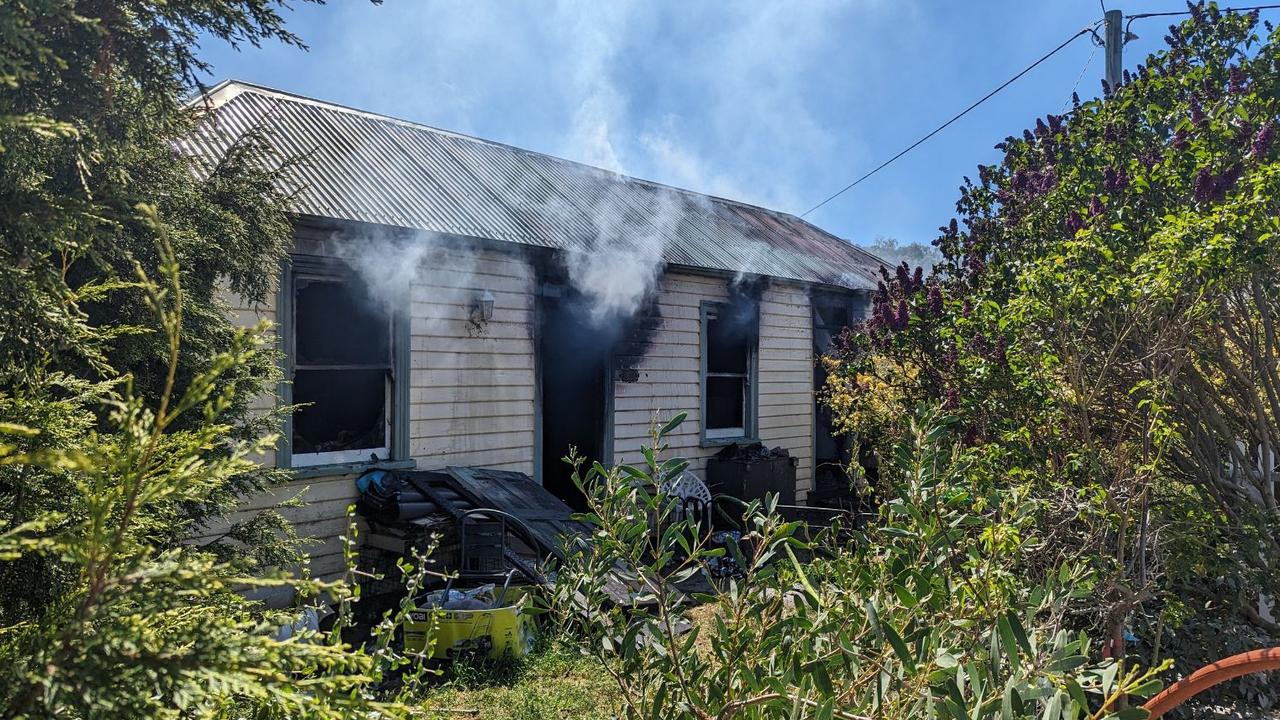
x=1206, y=677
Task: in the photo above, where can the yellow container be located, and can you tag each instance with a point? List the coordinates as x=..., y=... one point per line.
x=505, y=629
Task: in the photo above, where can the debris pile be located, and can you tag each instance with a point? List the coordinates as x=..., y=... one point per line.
x=384, y=497
x=480, y=598
x=750, y=471
x=751, y=453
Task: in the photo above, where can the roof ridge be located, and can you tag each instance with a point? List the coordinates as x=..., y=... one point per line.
x=224, y=85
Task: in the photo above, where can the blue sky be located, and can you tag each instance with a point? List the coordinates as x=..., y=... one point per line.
x=776, y=103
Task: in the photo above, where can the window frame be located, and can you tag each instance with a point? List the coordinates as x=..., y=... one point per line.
x=711, y=437
x=397, y=388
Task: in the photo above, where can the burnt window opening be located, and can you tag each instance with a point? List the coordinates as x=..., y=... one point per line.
x=730, y=333
x=342, y=371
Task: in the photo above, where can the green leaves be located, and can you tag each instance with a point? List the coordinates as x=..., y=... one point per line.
x=672, y=424
x=907, y=617
x=1107, y=335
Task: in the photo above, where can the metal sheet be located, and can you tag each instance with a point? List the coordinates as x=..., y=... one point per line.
x=352, y=165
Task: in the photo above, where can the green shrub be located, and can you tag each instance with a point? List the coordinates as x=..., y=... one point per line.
x=929, y=611
x=1103, y=324
x=145, y=631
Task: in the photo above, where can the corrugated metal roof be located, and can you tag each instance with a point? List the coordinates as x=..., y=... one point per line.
x=358, y=166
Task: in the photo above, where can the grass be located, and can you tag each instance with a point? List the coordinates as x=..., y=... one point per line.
x=555, y=681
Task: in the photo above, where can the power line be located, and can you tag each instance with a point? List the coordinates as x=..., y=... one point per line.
x=1171, y=13
x=1080, y=77
x=944, y=125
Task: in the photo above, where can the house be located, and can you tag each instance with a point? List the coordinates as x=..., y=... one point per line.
x=457, y=302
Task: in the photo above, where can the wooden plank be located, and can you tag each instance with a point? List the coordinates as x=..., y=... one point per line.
x=424, y=296
x=446, y=378
x=471, y=345
x=420, y=395
x=470, y=409
x=481, y=442
x=466, y=280
x=492, y=332
x=461, y=362
x=669, y=363
x=518, y=458
x=547, y=517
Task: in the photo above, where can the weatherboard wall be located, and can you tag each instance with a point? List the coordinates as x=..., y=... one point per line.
x=471, y=398
x=667, y=379
x=472, y=387
x=472, y=384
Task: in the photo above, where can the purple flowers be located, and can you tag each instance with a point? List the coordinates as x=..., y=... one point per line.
x=980, y=345
x=976, y=266
x=1196, y=111
x=1074, y=223
x=1095, y=206
x=1033, y=183
x=908, y=283
x=1213, y=187
x=1114, y=181
x=1204, y=185
x=951, y=400
x=1262, y=141
x=1180, y=139
x=935, y=300
x=901, y=318
x=1237, y=83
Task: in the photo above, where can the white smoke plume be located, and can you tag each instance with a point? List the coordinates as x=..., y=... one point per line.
x=620, y=271
x=399, y=268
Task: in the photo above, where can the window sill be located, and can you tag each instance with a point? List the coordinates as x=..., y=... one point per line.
x=312, y=471
x=721, y=442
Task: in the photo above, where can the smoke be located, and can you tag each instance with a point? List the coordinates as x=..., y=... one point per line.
x=598, y=33
x=621, y=268
x=397, y=268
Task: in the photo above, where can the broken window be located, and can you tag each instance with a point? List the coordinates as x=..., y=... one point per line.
x=342, y=370
x=729, y=332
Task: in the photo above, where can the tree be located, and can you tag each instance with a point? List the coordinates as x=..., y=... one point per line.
x=125, y=388
x=1104, y=319
x=913, y=254
x=92, y=102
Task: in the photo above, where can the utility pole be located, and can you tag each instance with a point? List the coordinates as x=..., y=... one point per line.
x=1113, y=38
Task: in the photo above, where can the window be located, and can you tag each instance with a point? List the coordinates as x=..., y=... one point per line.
x=341, y=352
x=729, y=335
x=832, y=313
